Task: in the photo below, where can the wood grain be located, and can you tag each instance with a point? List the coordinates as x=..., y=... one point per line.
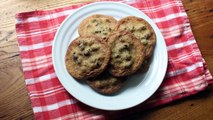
x=15, y=103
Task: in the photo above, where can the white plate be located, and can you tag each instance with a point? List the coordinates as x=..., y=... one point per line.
x=138, y=87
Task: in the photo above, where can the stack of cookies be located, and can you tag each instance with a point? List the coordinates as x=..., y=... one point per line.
x=108, y=51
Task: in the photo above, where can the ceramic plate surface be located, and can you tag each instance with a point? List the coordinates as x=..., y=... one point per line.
x=138, y=87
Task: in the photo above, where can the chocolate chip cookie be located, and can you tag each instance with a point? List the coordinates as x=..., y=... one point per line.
x=87, y=57
x=106, y=84
x=127, y=53
x=141, y=30
x=98, y=25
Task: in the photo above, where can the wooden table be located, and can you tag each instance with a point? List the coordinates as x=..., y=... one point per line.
x=15, y=103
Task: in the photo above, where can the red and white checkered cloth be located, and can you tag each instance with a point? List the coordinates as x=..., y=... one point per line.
x=187, y=73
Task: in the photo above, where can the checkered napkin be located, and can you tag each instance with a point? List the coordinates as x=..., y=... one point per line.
x=187, y=73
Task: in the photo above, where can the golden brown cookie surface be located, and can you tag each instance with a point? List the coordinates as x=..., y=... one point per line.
x=127, y=53
x=141, y=30
x=98, y=25
x=106, y=83
x=87, y=57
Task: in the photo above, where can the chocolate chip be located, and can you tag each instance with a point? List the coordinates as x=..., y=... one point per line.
x=98, y=64
x=78, y=61
x=88, y=26
x=94, y=20
x=142, y=28
x=74, y=56
x=132, y=29
x=128, y=58
x=105, y=33
x=115, y=56
x=147, y=36
x=107, y=20
x=110, y=29
x=87, y=52
x=97, y=31
x=126, y=46
x=90, y=42
x=97, y=24
x=82, y=46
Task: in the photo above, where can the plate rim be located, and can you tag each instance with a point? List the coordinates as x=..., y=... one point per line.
x=94, y=4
